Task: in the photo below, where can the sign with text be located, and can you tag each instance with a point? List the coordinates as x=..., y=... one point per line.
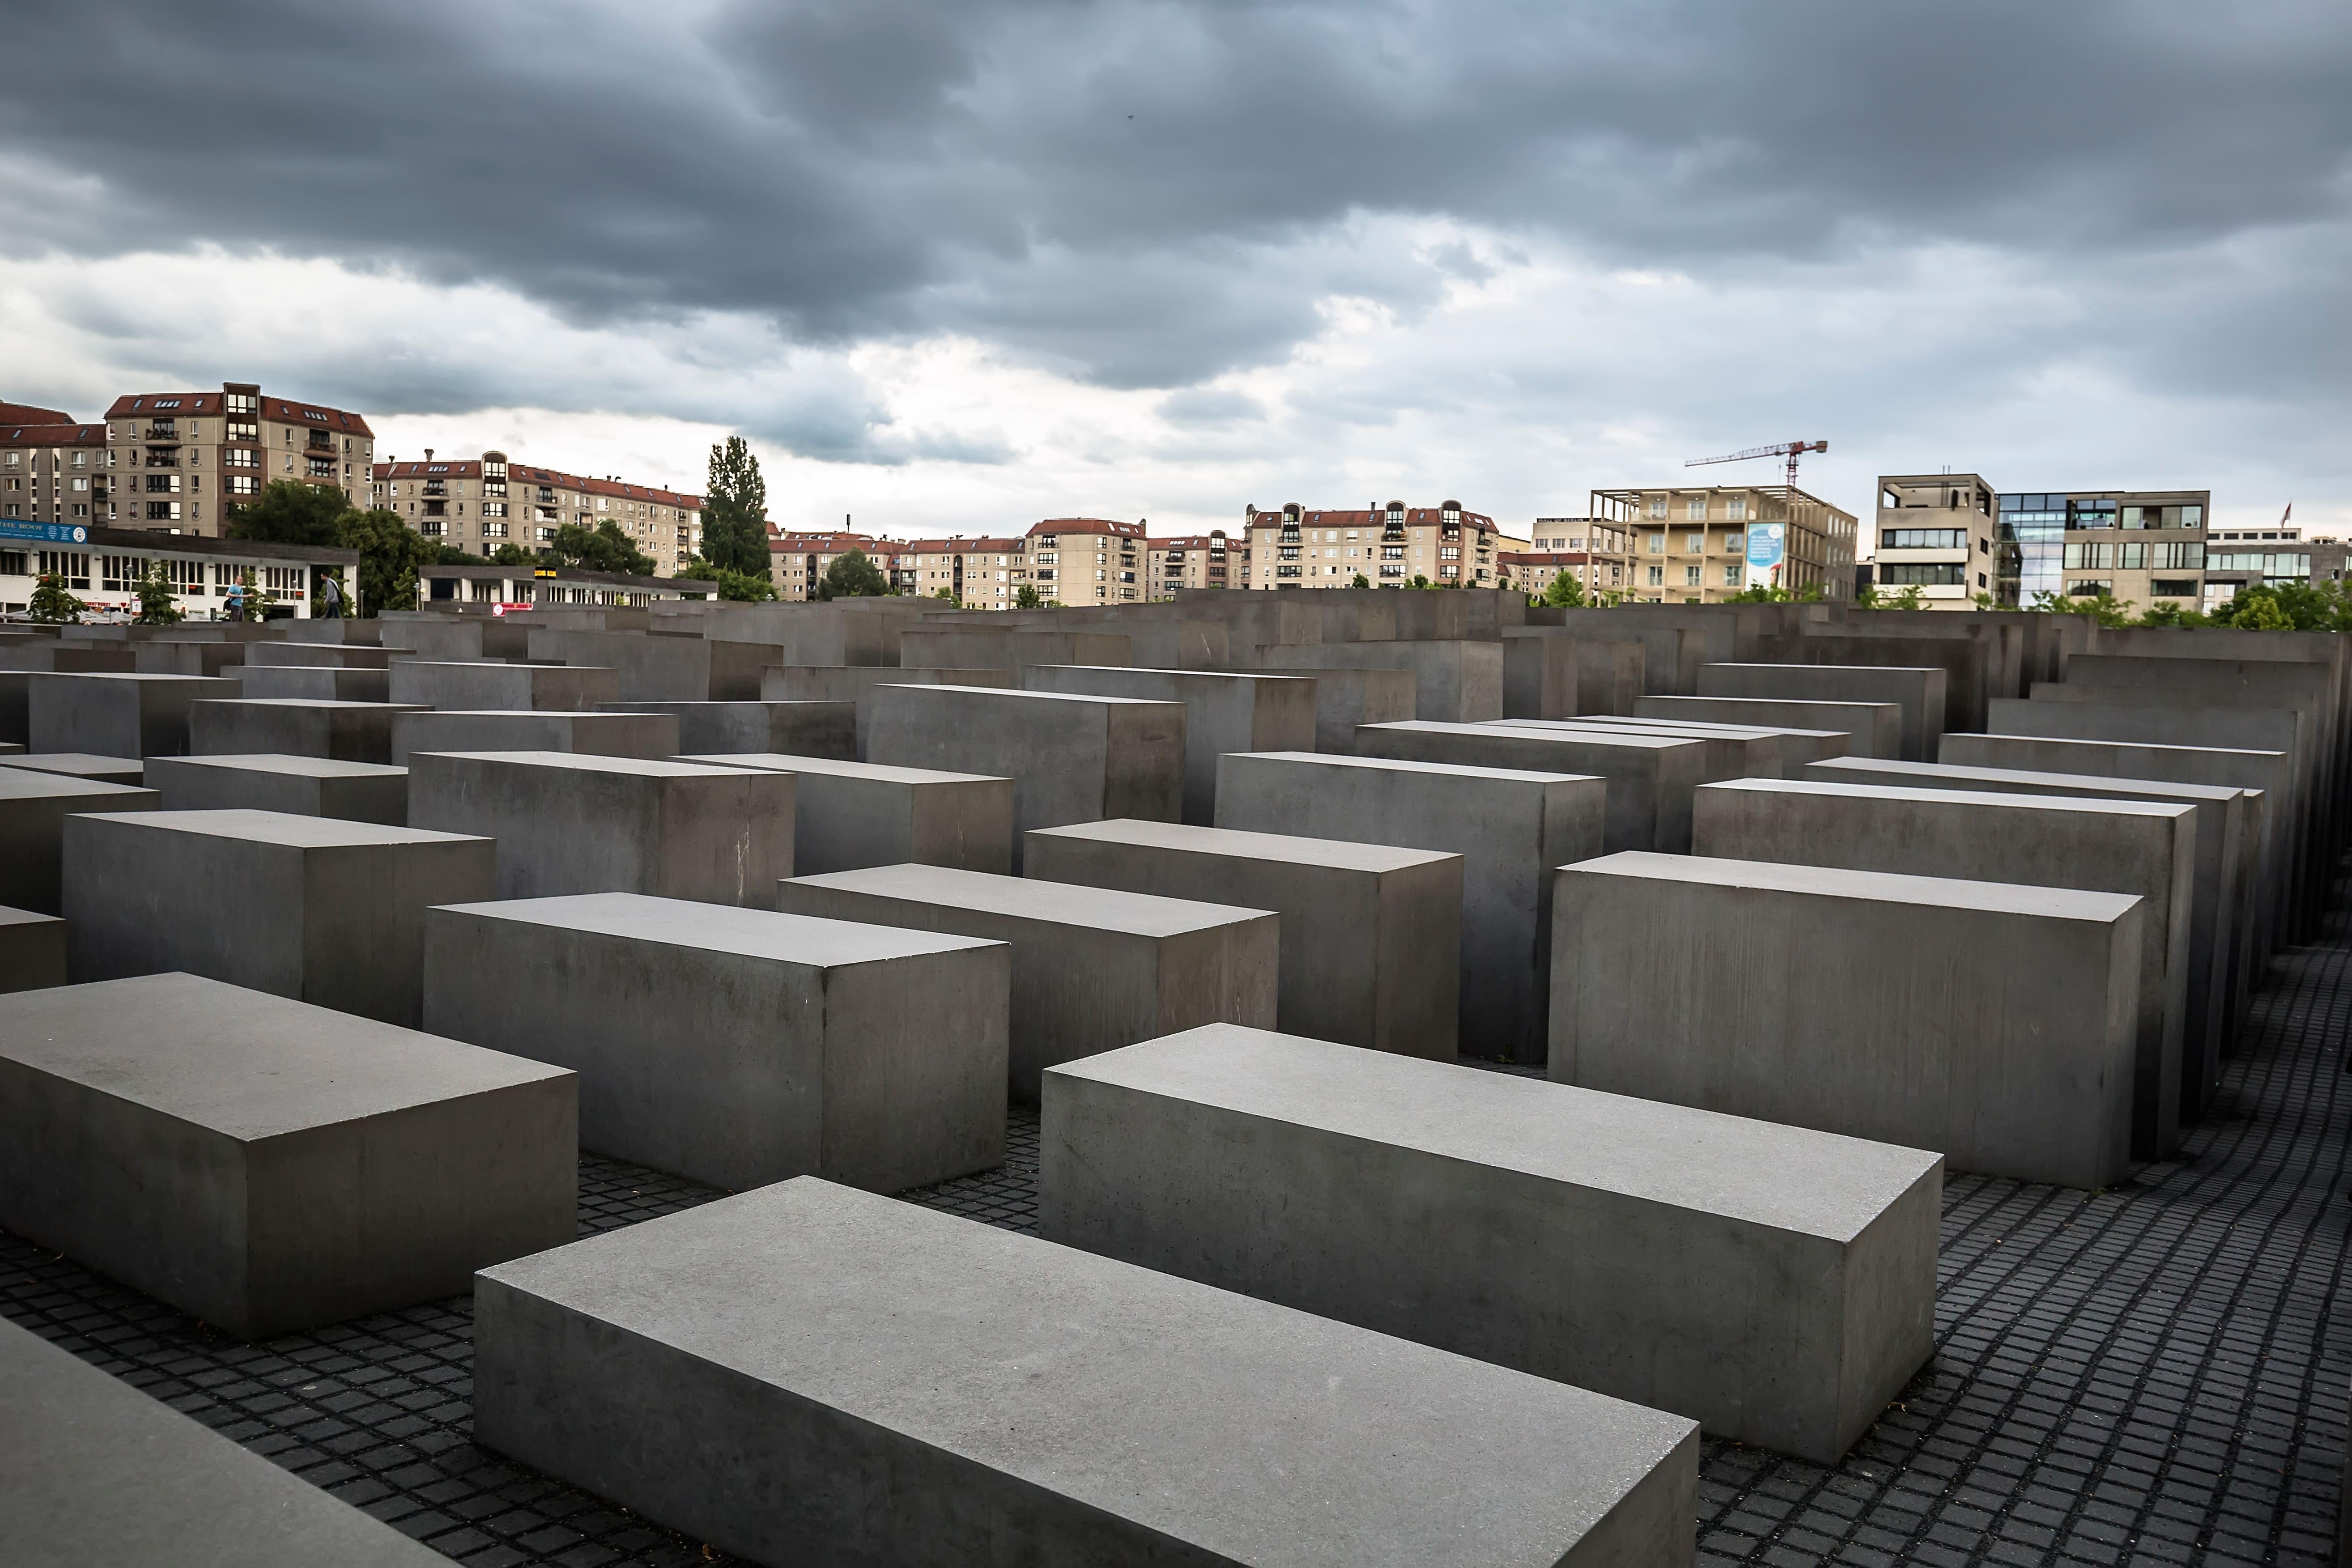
x=1767, y=546
x=42, y=533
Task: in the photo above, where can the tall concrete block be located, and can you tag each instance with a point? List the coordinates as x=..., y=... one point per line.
x=20, y=661
x=650, y=736
x=739, y=1047
x=313, y=682
x=850, y=683
x=570, y=824
x=1007, y=648
x=100, y=1471
x=1345, y=699
x=32, y=949
x=873, y=1358
x=1372, y=935
x=115, y=715
x=1992, y=1023
x=436, y=635
x=1872, y=729
x=268, y=1165
x=1093, y=968
x=463, y=687
x=1920, y=692
x=161, y=655
x=1649, y=778
x=1222, y=713
x=1509, y=827
x=32, y=812
x=299, y=786
x=651, y=669
x=852, y=815
x=1071, y=759
x=324, y=912
x=81, y=765
x=1969, y=666
x=2041, y=841
x=1455, y=682
x=294, y=727
x=1551, y=673
x=800, y=728
x=848, y=633
x=1595, y=1239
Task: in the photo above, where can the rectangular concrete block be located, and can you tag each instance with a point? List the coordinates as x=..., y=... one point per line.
x=1455, y=682
x=570, y=824
x=295, y=727
x=1992, y=1023
x=1071, y=759
x=663, y=669
x=1969, y=665
x=269, y=1165
x=739, y=1047
x=1650, y=776
x=1918, y=692
x=433, y=635
x=102, y=1471
x=916, y=1388
x=850, y=683
x=651, y=736
x=1093, y=968
x=1223, y=712
x=165, y=655
x=1371, y=935
x=2041, y=841
x=324, y=912
x=114, y=715
x=1873, y=728
x=81, y=765
x=1796, y=748
x=1549, y=672
x=1510, y=827
x=32, y=812
x=316, y=655
x=313, y=682
x=1345, y=699
x=852, y=815
x=299, y=786
x=1776, y=1284
x=1010, y=649
x=32, y=949
x=1733, y=751
x=796, y=729
x=464, y=687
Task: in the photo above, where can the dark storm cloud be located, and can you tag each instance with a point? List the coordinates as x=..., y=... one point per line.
x=1134, y=191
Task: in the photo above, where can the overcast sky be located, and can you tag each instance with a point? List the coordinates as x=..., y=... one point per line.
x=956, y=266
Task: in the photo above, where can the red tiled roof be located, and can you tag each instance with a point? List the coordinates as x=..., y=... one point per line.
x=33, y=413
x=963, y=546
x=524, y=474
x=67, y=434
x=1088, y=525
x=1370, y=518
x=823, y=544
x=138, y=404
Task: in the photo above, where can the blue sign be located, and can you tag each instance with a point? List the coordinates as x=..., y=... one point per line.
x=44, y=533
x=1767, y=546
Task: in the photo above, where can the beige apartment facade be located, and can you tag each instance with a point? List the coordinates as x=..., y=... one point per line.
x=478, y=504
x=52, y=476
x=1210, y=560
x=179, y=460
x=797, y=561
x=1389, y=546
x=1938, y=533
x=1689, y=543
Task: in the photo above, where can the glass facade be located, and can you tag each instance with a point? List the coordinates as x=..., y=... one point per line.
x=2032, y=547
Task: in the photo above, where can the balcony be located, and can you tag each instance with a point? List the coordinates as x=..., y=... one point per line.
x=164, y=431
x=162, y=460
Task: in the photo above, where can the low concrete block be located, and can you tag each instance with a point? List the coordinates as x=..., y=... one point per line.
x=1797, y=994
x=1009, y=649
x=32, y=812
x=1071, y=759
x=739, y=1047
x=299, y=786
x=315, y=683
x=1093, y=968
x=1346, y=698
x=1455, y=682
x=1650, y=776
x=663, y=669
x=1795, y=749
x=1222, y=713
x=1872, y=729
x=1509, y=827
x=1733, y=751
x=646, y=735
x=81, y=765
x=324, y=912
x=32, y=949
x=852, y=815
x=1595, y=1239
x=170, y=656
x=101, y=1472
x=322, y=655
x=568, y=824
x=295, y=727
x=461, y=687
x=268, y=1165
x=1371, y=935
x=796, y=729
x=1920, y=692
x=874, y=1357
x=114, y=715
x=851, y=682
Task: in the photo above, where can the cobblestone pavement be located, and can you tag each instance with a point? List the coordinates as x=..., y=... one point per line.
x=2139, y=1375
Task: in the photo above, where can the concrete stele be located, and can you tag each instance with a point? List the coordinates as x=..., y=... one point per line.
x=302, y=787
x=848, y=815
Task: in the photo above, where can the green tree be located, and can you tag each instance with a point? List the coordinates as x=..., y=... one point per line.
x=735, y=510
x=1362, y=581
x=2173, y=615
x=290, y=512
x=949, y=594
x=602, y=549
x=158, y=605
x=51, y=604
x=1564, y=592
x=389, y=554
x=511, y=554
x=1418, y=582
x=2257, y=610
x=1025, y=597
x=1773, y=594
x=2102, y=606
x=853, y=576
x=727, y=583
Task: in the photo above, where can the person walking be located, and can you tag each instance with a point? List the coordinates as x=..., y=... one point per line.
x=236, y=601
x=331, y=600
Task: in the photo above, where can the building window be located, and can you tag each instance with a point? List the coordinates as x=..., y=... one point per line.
x=1694, y=544
x=2090, y=587
x=1658, y=576
x=1657, y=507
x=1690, y=576
x=1923, y=573
x=1695, y=509
x=1923, y=539
x=1657, y=544
x=2173, y=588
x=1735, y=507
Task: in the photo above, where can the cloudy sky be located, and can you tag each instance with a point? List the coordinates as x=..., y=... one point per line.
x=955, y=265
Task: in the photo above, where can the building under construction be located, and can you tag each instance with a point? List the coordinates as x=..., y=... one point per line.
x=1690, y=544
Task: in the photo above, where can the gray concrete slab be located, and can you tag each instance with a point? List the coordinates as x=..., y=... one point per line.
x=739, y=1047
x=912, y=1383
x=1510, y=827
x=801, y=729
x=1649, y=778
x=651, y=736
x=1590, y=1238
x=651, y=669
x=295, y=727
x=81, y=765
x=1872, y=729
x=322, y=910
x=270, y=1165
x=1010, y=649
x=2047, y=841
x=32, y=949
x=847, y=816
x=1093, y=968
x=1549, y=672
x=436, y=635
x=101, y=1472
x=572, y=824
x=300, y=787
x=115, y=715
x=1970, y=666
x=1455, y=681
x=33, y=810
x=174, y=656
x=1345, y=699
x=19, y=661
x=854, y=684
x=314, y=682
x=1223, y=712
x=1796, y=747
x=1733, y=751
x=1992, y=1023
x=317, y=655
x=1071, y=759
x=459, y=686
x=1372, y=935
x=1918, y=692
x=11, y=748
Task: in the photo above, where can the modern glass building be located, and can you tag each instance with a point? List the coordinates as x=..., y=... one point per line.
x=2145, y=547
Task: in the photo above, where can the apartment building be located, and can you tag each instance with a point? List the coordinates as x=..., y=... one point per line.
x=1078, y=560
x=1592, y=553
x=103, y=566
x=32, y=414
x=1937, y=533
x=478, y=504
x=2144, y=546
x=1210, y=560
x=53, y=477
x=181, y=458
x=1694, y=545
x=797, y=561
x=1389, y=546
x=2257, y=557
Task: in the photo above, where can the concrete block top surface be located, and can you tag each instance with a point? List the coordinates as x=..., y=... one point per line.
x=207, y=681
x=1980, y=799
x=1561, y=730
x=245, y=1063
x=2133, y=745
x=24, y=783
x=1056, y=903
x=723, y=928
x=1199, y=676
x=1914, y=669
x=1256, y=1433
x=76, y=765
x=1282, y=847
x=880, y=773
x=1400, y=766
x=1010, y=694
x=1885, y=887
x=9, y=917
x=1925, y=773
x=1762, y=1172
x=591, y=762
x=293, y=767
x=283, y=828
x=323, y=704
